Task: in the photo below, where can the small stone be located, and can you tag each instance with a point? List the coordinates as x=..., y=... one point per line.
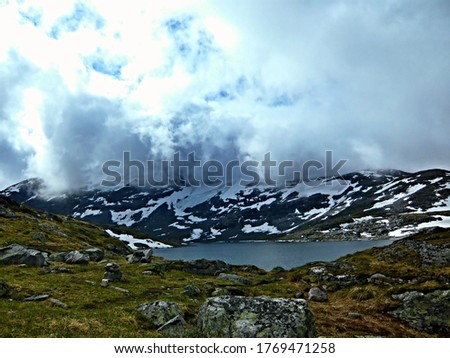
x=299, y=294
x=148, y=273
x=57, y=303
x=104, y=283
x=126, y=292
x=354, y=315
x=90, y=282
x=191, y=290
x=36, y=298
x=40, y=236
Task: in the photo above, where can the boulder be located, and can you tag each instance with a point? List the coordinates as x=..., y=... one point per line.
x=40, y=236
x=94, y=254
x=160, y=313
x=191, y=290
x=4, y=289
x=428, y=312
x=144, y=256
x=240, y=280
x=206, y=267
x=58, y=257
x=261, y=317
x=316, y=294
x=16, y=255
x=76, y=257
x=112, y=272
x=174, y=327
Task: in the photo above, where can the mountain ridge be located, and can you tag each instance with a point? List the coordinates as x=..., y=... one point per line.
x=359, y=205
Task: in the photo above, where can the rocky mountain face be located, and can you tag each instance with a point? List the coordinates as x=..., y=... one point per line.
x=360, y=205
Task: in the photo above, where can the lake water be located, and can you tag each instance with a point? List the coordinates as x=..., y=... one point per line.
x=268, y=255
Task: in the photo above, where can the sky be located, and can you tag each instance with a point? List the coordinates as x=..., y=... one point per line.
x=83, y=81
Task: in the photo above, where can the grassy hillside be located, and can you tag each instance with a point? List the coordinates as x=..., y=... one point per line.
x=94, y=311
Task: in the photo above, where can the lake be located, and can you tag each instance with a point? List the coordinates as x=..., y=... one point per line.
x=268, y=255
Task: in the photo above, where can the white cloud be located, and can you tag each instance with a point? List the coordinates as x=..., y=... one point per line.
x=368, y=80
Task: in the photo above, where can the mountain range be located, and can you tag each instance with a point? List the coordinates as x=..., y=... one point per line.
x=360, y=205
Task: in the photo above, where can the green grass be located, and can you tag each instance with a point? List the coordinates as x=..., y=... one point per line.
x=94, y=311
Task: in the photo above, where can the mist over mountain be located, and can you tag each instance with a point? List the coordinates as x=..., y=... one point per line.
x=84, y=81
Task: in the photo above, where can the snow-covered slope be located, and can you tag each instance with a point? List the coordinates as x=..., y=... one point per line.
x=361, y=205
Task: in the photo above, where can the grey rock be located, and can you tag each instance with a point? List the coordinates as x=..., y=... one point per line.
x=316, y=294
x=112, y=267
x=429, y=312
x=104, y=283
x=94, y=254
x=175, y=327
x=120, y=289
x=261, y=317
x=206, y=267
x=112, y=273
x=354, y=315
x=36, y=298
x=191, y=290
x=76, y=257
x=58, y=257
x=407, y=296
x=57, y=303
x=16, y=254
x=4, y=289
x=380, y=279
x=47, y=270
x=299, y=294
x=40, y=236
x=235, y=279
x=144, y=256
x=158, y=313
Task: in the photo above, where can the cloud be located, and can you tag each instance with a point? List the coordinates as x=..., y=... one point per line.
x=82, y=81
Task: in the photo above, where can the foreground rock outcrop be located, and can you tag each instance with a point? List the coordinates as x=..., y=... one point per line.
x=425, y=312
x=165, y=316
x=249, y=317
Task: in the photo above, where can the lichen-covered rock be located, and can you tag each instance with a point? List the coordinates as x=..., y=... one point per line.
x=428, y=312
x=316, y=294
x=160, y=313
x=19, y=255
x=262, y=317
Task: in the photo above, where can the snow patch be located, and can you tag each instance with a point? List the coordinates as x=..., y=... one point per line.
x=131, y=241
